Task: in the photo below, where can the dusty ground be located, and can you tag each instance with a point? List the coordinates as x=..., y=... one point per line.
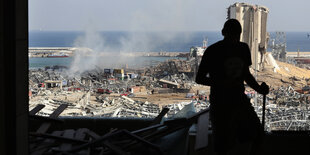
x=163, y=99
x=287, y=75
x=170, y=98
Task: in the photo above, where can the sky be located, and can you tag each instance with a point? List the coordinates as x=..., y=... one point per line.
x=157, y=15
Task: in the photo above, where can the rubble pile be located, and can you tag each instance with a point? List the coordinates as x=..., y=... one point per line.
x=181, y=79
x=170, y=67
x=112, y=92
x=107, y=106
x=288, y=97
x=144, y=92
x=126, y=107
x=286, y=109
x=198, y=105
x=146, y=139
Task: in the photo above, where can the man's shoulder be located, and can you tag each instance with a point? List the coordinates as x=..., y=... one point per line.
x=223, y=44
x=216, y=45
x=243, y=44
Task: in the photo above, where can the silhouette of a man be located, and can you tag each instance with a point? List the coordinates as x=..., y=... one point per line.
x=224, y=67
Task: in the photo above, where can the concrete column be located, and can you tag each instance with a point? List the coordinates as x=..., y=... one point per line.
x=61, y=85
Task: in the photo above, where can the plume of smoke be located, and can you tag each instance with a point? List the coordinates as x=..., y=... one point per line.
x=89, y=46
x=94, y=52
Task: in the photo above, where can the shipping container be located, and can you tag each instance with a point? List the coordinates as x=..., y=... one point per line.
x=118, y=71
x=107, y=71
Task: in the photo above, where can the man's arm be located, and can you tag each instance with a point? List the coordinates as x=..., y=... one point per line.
x=203, y=71
x=250, y=80
x=202, y=78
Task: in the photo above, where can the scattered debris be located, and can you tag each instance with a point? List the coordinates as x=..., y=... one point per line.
x=118, y=141
x=114, y=92
x=145, y=91
x=286, y=109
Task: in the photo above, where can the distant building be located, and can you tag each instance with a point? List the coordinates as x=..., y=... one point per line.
x=197, y=51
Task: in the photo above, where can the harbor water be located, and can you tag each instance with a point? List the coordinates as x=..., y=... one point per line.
x=150, y=42
x=35, y=63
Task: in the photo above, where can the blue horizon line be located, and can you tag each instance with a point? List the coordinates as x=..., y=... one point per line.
x=153, y=31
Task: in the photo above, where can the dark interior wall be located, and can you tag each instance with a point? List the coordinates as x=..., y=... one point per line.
x=14, y=76
x=2, y=119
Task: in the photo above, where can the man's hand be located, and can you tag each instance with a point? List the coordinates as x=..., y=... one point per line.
x=263, y=89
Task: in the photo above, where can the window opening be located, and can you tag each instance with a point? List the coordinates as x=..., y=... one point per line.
x=138, y=71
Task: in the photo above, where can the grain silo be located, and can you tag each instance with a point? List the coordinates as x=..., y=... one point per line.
x=253, y=19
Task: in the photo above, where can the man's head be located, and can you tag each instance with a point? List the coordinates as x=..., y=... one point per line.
x=232, y=29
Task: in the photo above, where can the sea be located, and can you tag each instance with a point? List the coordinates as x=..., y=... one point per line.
x=121, y=41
